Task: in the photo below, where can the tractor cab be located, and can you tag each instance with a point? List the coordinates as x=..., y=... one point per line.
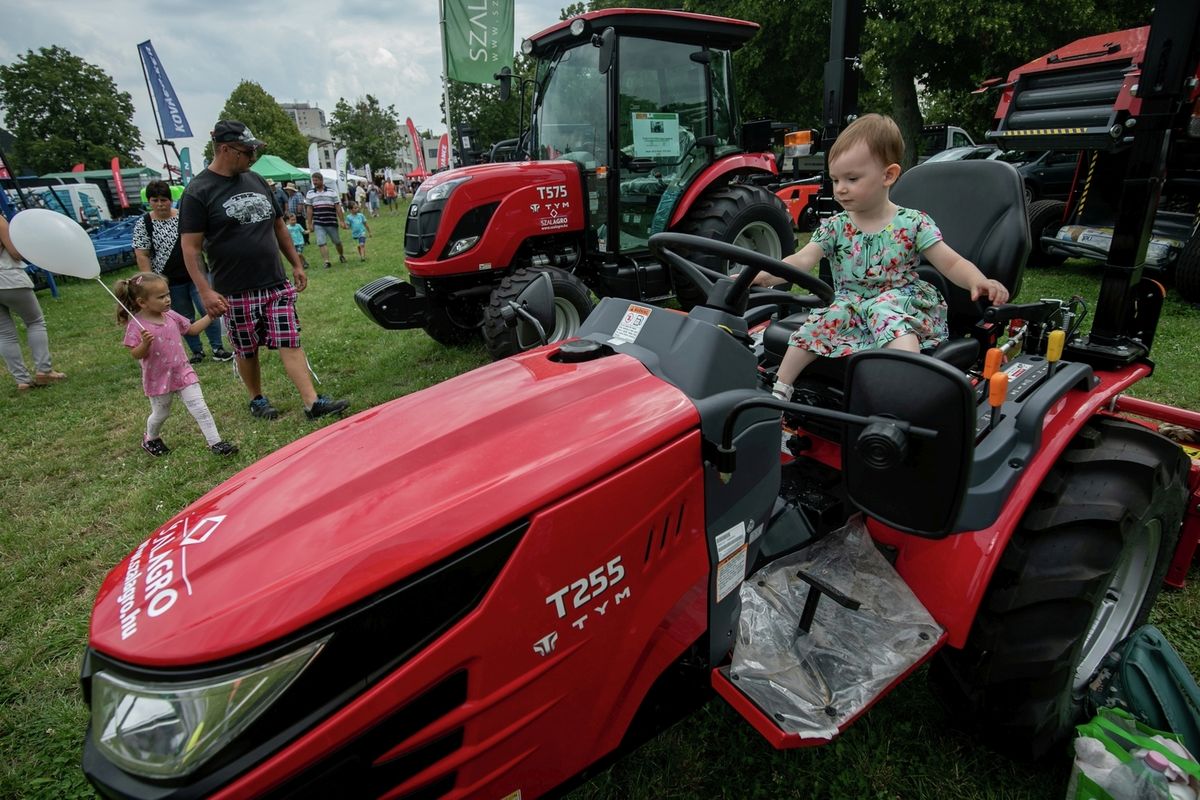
x=643, y=102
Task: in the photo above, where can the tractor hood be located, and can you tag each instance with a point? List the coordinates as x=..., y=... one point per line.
x=498, y=206
x=360, y=505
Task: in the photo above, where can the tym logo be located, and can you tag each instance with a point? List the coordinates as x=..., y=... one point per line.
x=545, y=645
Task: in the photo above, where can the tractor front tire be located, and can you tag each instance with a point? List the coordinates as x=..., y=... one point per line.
x=1045, y=217
x=1187, y=270
x=1079, y=574
x=572, y=304
x=443, y=329
x=741, y=214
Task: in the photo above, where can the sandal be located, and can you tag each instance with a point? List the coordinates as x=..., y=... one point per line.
x=47, y=378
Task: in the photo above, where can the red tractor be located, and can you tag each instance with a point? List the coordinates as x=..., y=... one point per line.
x=634, y=131
x=518, y=574
x=1088, y=97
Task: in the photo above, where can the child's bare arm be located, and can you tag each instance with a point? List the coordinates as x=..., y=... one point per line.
x=803, y=259
x=198, y=325
x=142, y=349
x=963, y=273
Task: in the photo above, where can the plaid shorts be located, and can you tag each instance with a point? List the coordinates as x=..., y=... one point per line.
x=263, y=316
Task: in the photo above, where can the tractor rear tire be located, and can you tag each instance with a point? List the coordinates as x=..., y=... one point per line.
x=1079, y=574
x=1187, y=270
x=741, y=214
x=572, y=304
x=1045, y=216
x=443, y=329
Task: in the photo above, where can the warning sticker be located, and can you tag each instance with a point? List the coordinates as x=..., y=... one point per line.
x=731, y=572
x=730, y=540
x=632, y=323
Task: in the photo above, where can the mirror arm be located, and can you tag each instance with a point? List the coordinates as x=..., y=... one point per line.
x=725, y=455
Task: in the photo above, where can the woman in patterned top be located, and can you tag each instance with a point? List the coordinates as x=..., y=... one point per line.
x=874, y=247
x=157, y=250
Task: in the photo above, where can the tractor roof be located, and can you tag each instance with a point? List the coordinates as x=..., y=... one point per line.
x=675, y=26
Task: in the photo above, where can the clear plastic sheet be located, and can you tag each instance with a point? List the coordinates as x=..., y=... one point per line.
x=812, y=684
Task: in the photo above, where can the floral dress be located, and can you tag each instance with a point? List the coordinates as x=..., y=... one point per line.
x=878, y=296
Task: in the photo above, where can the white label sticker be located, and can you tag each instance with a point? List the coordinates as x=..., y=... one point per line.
x=632, y=323
x=731, y=572
x=730, y=540
x=655, y=135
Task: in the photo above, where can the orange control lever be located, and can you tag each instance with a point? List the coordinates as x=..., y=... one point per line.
x=991, y=362
x=997, y=390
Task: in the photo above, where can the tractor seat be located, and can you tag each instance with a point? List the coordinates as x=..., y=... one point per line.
x=979, y=206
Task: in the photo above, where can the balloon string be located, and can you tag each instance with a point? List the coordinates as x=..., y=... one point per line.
x=122, y=305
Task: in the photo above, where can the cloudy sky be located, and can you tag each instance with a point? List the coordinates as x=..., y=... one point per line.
x=298, y=50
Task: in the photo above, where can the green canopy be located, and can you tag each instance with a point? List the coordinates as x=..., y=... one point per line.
x=277, y=169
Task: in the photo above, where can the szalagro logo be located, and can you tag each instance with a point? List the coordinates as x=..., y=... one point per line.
x=164, y=569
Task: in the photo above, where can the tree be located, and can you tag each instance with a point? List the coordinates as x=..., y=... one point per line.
x=371, y=132
x=252, y=105
x=63, y=110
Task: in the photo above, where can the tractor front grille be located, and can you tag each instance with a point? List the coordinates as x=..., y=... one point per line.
x=421, y=229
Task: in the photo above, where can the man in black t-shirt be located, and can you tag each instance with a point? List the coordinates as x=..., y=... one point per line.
x=230, y=210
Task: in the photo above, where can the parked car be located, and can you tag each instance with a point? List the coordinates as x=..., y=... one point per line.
x=973, y=152
x=1048, y=175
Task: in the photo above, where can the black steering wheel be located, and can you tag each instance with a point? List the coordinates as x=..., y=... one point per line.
x=664, y=245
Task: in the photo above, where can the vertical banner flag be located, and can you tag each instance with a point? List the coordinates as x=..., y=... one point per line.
x=370, y=175
x=78, y=168
x=418, y=147
x=339, y=164
x=444, y=151
x=170, y=114
x=314, y=162
x=387, y=173
x=478, y=38
x=185, y=165
x=116, y=171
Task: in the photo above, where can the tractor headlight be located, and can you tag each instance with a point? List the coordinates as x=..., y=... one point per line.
x=463, y=245
x=165, y=730
x=443, y=190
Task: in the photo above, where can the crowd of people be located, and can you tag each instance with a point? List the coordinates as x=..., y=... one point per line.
x=210, y=267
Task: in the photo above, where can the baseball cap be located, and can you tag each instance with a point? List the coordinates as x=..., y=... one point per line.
x=230, y=130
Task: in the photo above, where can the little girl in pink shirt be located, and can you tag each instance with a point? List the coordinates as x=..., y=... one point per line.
x=157, y=342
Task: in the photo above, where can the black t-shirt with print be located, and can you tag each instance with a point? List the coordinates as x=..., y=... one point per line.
x=237, y=216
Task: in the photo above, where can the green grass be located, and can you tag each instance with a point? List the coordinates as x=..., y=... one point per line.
x=79, y=494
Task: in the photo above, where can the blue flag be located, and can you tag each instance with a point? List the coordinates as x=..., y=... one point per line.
x=170, y=114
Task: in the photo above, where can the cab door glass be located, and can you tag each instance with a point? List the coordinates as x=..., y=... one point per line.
x=661, y=111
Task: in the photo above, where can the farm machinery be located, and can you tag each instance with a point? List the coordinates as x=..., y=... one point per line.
x=634, y=130
x=494, y=586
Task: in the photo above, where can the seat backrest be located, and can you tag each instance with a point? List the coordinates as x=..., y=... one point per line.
x=980, y=208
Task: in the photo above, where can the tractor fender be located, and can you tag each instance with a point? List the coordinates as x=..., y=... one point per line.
x=950, y=576
x=504, y=204
x=721, y=172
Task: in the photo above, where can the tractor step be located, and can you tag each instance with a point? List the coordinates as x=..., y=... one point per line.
x=823, y=634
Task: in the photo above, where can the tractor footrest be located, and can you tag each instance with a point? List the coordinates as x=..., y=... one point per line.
x=393, y=303
x=808, y=686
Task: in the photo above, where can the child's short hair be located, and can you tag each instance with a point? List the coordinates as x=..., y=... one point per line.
x=129, y=291
x=880, y=133
x=291, y=216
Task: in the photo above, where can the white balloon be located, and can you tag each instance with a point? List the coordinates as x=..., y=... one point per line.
x=54, y=242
